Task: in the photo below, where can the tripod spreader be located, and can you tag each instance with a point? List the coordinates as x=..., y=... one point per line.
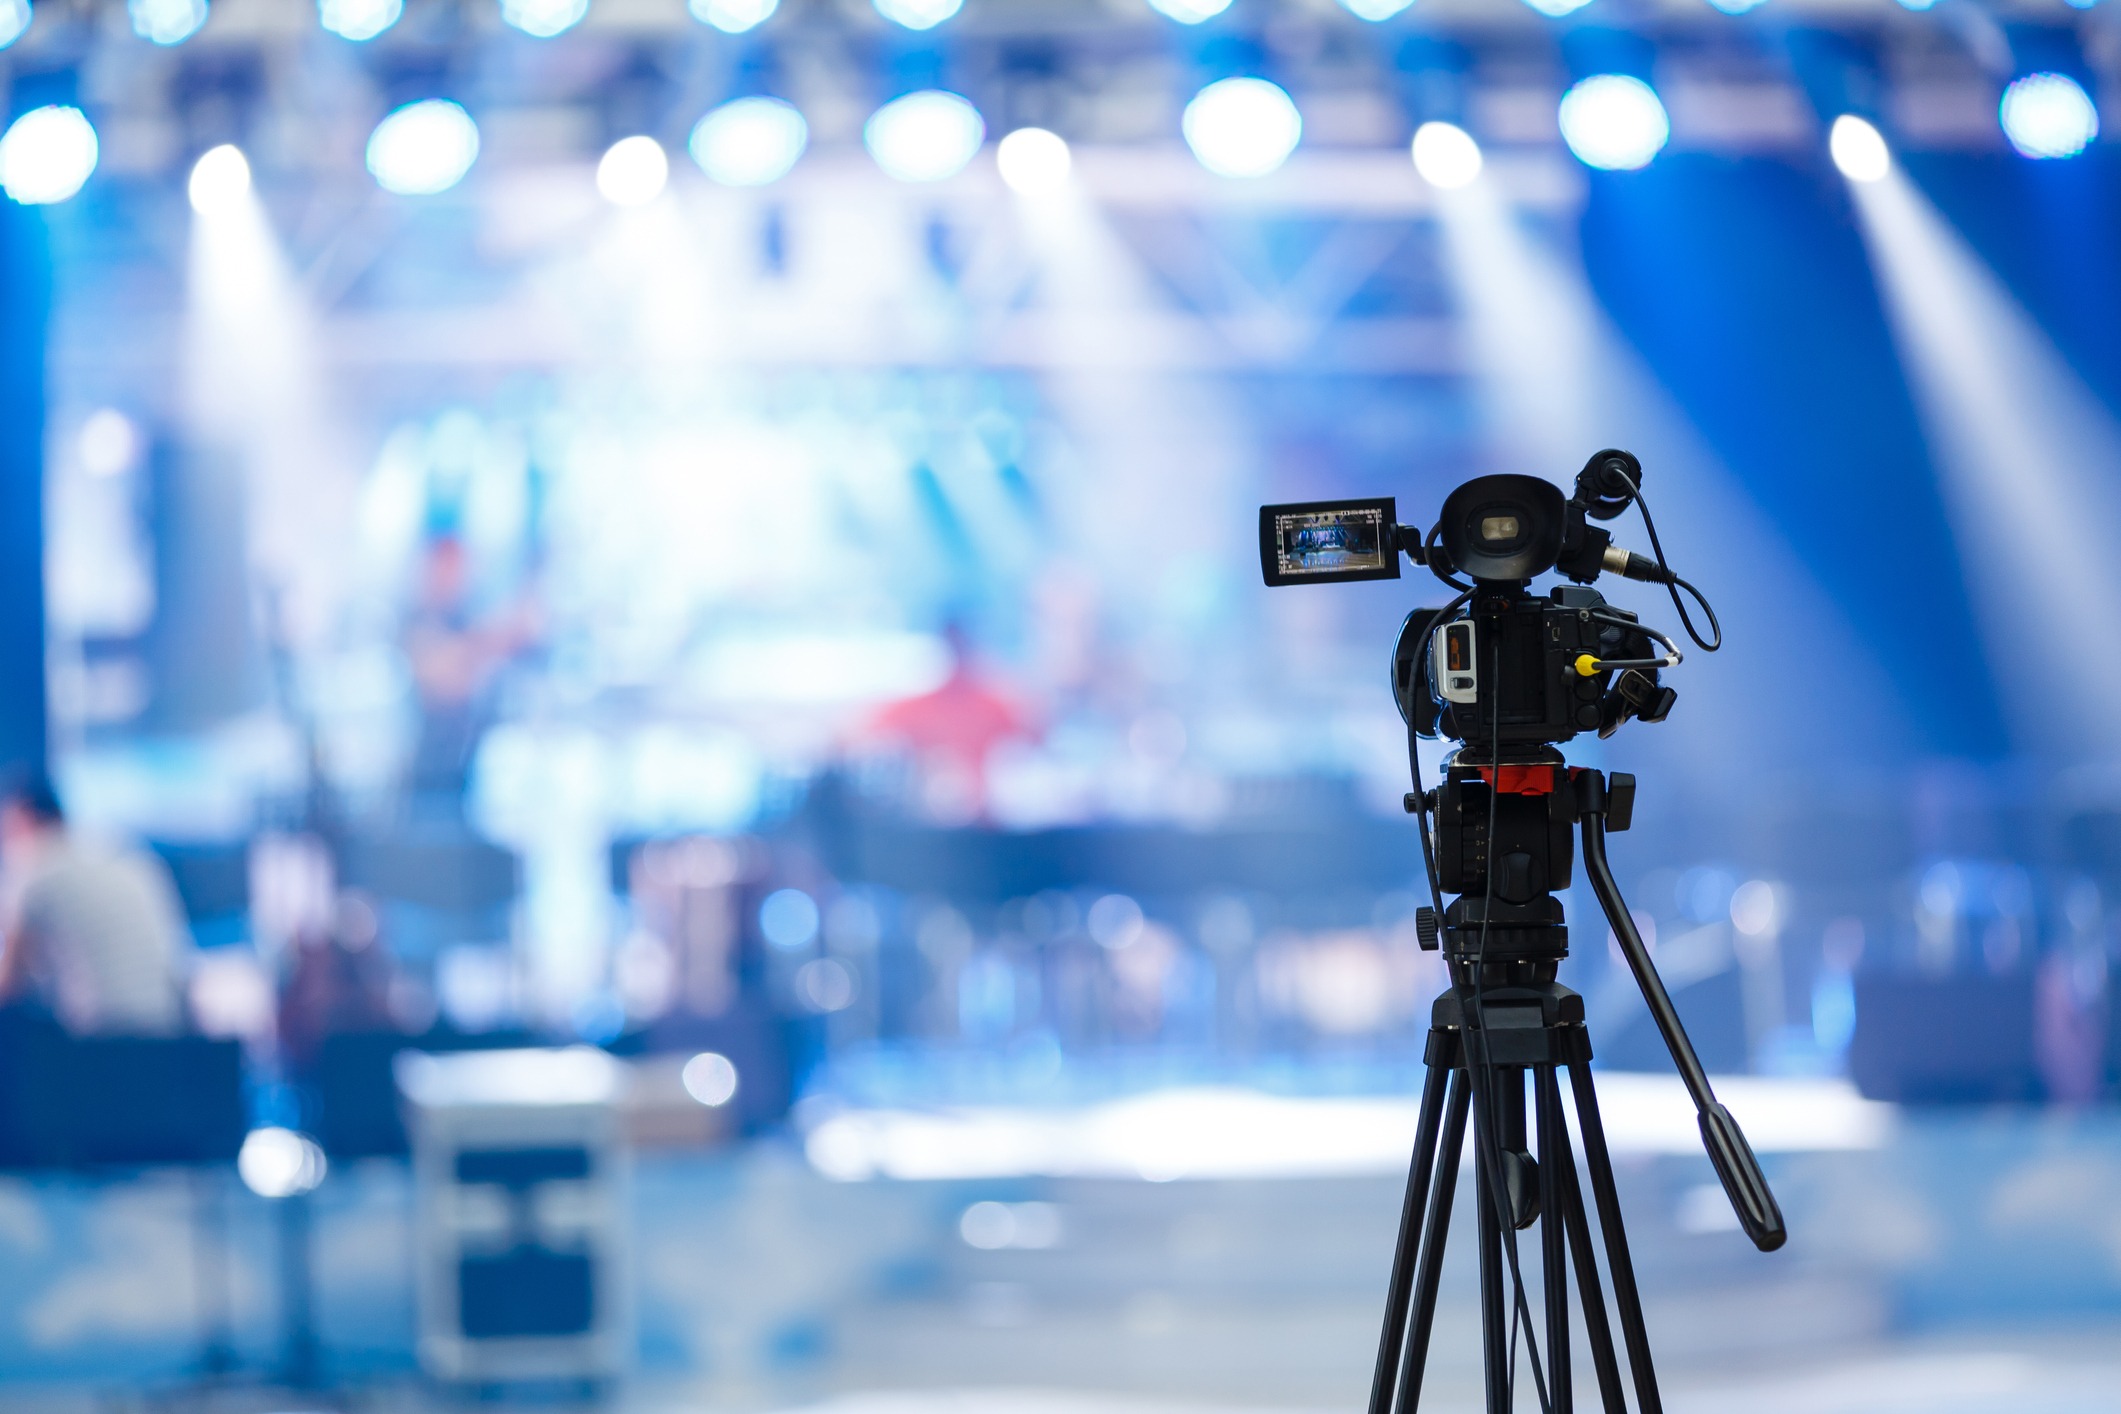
x=1743, y=1182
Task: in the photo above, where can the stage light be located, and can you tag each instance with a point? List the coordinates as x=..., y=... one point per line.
x=1446, y=155
x=166, y=21
x=1736, y=7
x=749, y=142
x=359, y=19
x=279, y=1163
x=1375, y=10
x=1189, y=12
x=918, y=14
x=925, y=136
x=1555, y=9
x=709, y=1078
x=542, y=19
x=1858, y=149
x=633, y=171
x=1614, y=122
x=219, y=179
x=733, y=16
x=423, y=148
x=1916, y=4
x=46, y=155
x=1242, y=127
x=1034, y=161
x=14, y=19
x=2048, y=115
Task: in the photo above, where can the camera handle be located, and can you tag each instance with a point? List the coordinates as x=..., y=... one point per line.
x=1743, y=1182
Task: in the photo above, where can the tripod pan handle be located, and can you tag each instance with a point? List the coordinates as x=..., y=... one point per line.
x=1743, y=1182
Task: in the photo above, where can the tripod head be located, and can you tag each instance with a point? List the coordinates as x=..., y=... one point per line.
x=1511, y=675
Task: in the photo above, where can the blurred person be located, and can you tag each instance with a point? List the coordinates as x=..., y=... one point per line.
x=92, y=931
x=338, y=981
x=457, y=657
x=950, y=732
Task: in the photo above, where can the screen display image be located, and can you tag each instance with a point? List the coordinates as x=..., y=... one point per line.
x=1328, y=540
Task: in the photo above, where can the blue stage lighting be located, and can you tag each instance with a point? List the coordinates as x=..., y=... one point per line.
x=14, y=19
x=46, y=155
x=220, y=180
x=749, y=142
x=166, y=21
x=733, y=16
x=1190, y=12
x=1614, y=122
x=925, y=136
x=1555, y=9
x=1034, y=161
x=918, y=14
x=633, y=172
x=542, y=19
x=359, y=19
x=1736, y=7
x=2048, y=115
x=423, y=148
x=1375, y=10
x=1242, y=127
x=1858, y=149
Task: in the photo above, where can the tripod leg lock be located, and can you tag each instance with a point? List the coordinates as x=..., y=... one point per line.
x=1611, y=796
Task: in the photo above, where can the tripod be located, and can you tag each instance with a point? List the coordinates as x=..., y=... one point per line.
x=1505, y=830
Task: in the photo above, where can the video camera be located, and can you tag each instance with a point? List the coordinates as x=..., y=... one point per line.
x=1499, y=668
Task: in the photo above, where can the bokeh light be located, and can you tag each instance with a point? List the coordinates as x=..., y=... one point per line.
x=925, y=136
x=2048, y=115
x=1614, y=122
x=423, y=148
x=1242, y=127
x=47, y=154
x=749, y=142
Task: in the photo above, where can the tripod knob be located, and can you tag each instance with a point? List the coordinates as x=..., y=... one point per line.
x=1425, y=927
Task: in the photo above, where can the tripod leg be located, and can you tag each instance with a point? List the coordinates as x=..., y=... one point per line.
x=1393, y=1340
x=1611, y=1396
x=1625, y=1297
x=1494, y=1338
x=1414, y=1358
x=1554, y=1157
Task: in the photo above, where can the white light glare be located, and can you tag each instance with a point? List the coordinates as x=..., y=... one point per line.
x=166, y=21
x=1242, y=127
x=919, y=14
x=1555, y=9
x=1858, y=149
x=710, y=1079
x=359, y=19
x=46, y=155
x=109, y=443
x=925, y=136
x=1614, y=122
x=220, y=179
x=1375, y=11
x=14, y=19
x=423, y=148
x=1446, y=155
x=733, y=16
x=2048, y=115
x=1736, y=7
x=1916, y=4
x=1189, y=12
x=542, y=19
x=749, y=142
x=633, y=171
x=1034, y=161
x=279, y=1163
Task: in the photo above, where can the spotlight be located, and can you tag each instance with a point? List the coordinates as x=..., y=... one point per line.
x=1446, y=155
x=359, y=19
x=46, y=155
x=423, y=148
x=14, y=19
x=1189, y=12
x=1916, y=4
x=1858, y=149
x=1555, y=9
x=1242, y=127
x=1033, y=161
x=1736, y=7
x=542, y=19
x=1614, y=122
x=1375, y=11
x=925, y=136
x=166, y=21
x=749, y=142
x=918, y=14
x=733, y=16
x=633, y=171
x=710, y=1078
x=279, y=1163
x=2048, y=115
x=220, y=179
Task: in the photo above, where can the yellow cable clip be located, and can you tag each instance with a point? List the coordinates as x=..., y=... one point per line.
x=1586, y=666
